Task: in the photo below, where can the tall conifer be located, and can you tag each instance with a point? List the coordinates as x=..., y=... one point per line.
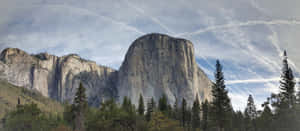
x=221, y=105
x=141, y=107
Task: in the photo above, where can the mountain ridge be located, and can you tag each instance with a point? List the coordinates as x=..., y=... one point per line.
x=58, y=77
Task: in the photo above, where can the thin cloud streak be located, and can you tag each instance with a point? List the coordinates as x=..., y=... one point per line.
x=232, y=25
x=121, y=24
x=155, y=20
x=231, y=82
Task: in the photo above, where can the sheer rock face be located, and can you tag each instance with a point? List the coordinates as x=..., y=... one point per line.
x=56, y=77
x=155, y=64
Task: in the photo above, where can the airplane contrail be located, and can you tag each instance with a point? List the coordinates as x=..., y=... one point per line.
x=230, y=82
x=154, y=19
x=119, y=23
x=249, y=23
x=277, y=79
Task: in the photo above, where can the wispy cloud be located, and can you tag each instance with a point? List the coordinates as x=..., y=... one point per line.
x=88, y=12
x=103, y=30
x=152, y=18
x=230, y=82
x=240, y=24
x=249, y=81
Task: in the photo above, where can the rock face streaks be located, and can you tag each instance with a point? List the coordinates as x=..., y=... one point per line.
x=57, y=77
x=155, y=64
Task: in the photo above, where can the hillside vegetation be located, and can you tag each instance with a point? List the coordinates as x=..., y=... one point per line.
x=9, y=95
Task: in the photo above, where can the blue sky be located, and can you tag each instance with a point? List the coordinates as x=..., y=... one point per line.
x=248, y=36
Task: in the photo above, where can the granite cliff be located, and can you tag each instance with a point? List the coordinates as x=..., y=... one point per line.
x=155, y=64
x=56, y=77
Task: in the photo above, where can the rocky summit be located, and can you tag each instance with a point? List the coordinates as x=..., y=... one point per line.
x=155, y=64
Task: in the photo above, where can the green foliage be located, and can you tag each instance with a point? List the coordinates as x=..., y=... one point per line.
x=238, y=121
x=264, y=122
x=159, y=122
x=250, y=115
x=205, y=115
x=250, y=110
x=163, y=104
x=285, y=104
x=9, y=95
x=184, y=113
x=29, y=117
x=28, y=111
x=221, y=105
x=141, y=107
x=196, y=113
x=79, y=108
x=151, y=107
x=287, y=85
x=175, y=111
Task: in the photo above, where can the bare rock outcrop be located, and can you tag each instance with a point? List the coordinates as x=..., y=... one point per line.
x=155, y=64
x=57, y=77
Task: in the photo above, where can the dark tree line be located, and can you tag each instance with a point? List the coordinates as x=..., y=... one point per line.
x=281, y=112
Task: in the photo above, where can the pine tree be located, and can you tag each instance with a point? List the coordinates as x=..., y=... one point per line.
x=19, y=101
x=196, y=113
x=205, y=109
x=250, y=114
x=163, y=104
x=250, y=110
x=285, y=116
x=287, y=84
x=221, y=105
x=141, y=108
x=266, y=118
x=238, y=121
x=150, y=109
x=298, y=95
x=184, y=112
x=176, y=110
x=79, y=108
x=126, y=105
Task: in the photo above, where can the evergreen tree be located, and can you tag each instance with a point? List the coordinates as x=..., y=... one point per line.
x=79, y=108
x=27, y=117
x=176, y=110
x=238, y=121
x=221, y=105
x=163, y=104
x=188, y=123
x=141, y=108
x=196, y=113
x=159, y=122
x=287, y=85
x=150, y=109
x=184, y=112
x=285, y=116
x=250, y=114
x=127, y=115
x=19, y=101
x=205, y=113
x=153, y=103
x=298, y=95
x=126, y=105
x=170, y=111
x=250, y=110
x=266, y=119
